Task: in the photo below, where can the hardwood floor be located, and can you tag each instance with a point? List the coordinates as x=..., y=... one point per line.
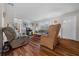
x=34, y=49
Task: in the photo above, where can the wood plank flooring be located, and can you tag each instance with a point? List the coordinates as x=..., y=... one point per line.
x=34, y=49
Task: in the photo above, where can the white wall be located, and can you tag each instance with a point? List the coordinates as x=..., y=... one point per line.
x=77, y=32
x=0, y=15
x=69, y=27
x=76, y=14
x=9, y=11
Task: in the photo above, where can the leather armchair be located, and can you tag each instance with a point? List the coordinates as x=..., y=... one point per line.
x=12, y=38
x=51, y=39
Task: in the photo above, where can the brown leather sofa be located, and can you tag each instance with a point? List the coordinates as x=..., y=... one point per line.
x=14, y=41
x=50, y=40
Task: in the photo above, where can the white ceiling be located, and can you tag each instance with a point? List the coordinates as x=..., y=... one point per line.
x=40, y=11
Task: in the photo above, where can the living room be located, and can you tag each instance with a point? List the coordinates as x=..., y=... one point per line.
x=29, y=29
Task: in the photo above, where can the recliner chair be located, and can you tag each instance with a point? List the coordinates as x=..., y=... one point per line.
x=51, y=39
x=14, y=41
